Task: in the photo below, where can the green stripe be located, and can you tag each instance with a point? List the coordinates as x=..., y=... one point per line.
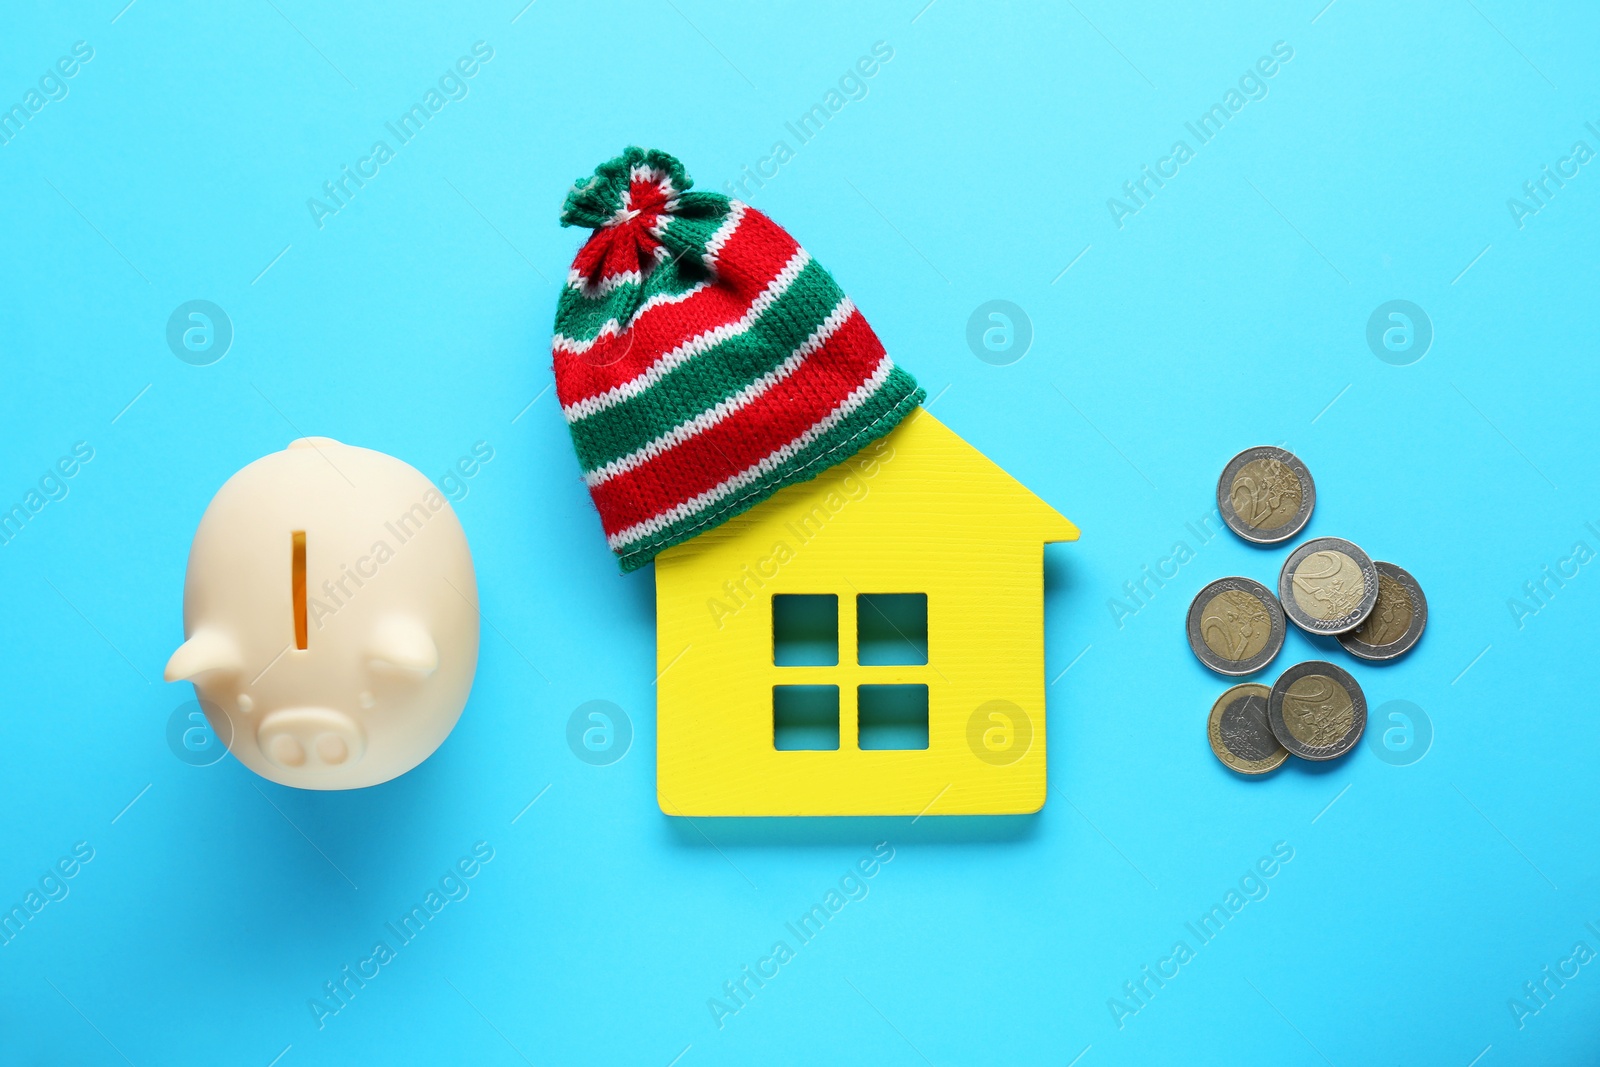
x=686, y=236
x=893, y=401
x=712, y=376
x=580, y=317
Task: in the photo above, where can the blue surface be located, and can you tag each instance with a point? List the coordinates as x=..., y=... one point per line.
x=1230, y=309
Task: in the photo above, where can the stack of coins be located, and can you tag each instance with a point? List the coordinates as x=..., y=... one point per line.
x=1327, y=586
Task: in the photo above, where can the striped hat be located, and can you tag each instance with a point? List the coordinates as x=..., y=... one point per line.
x=702, y=359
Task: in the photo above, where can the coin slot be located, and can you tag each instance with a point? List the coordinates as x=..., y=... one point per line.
x=805, y=718
x=892, y=717
x=805, y=630
x=892, y=629
x=297, y=578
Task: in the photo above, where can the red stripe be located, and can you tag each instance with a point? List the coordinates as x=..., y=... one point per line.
x=753, y=256
x=746, y=260
x=592, y=253
x=774, y=419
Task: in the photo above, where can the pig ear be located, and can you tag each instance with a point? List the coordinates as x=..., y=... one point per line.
x=206, y=650
x=402, y=643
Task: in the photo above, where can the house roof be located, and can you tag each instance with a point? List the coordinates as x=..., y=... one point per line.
x=955, y=457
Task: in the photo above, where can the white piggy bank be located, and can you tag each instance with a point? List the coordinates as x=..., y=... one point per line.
x=331, y=616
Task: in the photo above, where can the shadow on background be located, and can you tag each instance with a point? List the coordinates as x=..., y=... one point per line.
x=832, y=831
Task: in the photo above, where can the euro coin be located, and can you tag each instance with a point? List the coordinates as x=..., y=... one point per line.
x=1266, y=495
x=1316, y=710
x=1235, y=626
x=1396, y=621
x=1239, y=733
x=1328, y=586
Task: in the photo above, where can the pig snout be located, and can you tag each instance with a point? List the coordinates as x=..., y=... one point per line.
x=311, y=739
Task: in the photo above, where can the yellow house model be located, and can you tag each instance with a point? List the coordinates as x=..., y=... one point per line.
x=870, y=642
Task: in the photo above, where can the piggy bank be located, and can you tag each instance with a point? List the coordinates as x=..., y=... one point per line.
x=331, y=616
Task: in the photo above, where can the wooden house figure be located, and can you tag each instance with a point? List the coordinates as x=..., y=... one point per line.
x=887, y=616
x=849, y=597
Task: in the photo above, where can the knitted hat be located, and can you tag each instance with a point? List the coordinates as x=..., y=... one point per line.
x=702, y=359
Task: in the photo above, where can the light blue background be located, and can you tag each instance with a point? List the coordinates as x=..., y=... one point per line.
x=1229, y=311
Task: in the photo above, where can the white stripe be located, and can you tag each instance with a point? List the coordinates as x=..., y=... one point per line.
x=851, y=404
x=742, y=399
x=719, y=239
x=597, y=289
x=611, y=327
x=562, y=343
x=652, y=374
x=641, y=172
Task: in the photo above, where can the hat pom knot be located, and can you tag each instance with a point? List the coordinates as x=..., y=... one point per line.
x=628, y=202
x=636, y=187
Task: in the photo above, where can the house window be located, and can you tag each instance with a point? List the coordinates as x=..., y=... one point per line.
x=891, y=717
x=805, y=718
x=805, y=630
x=890, y=708
x=891, y=629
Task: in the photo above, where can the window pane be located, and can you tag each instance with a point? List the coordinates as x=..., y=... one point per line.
x=805, y=630
x=892, y=629
x=892, y=717
x=805, y=717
